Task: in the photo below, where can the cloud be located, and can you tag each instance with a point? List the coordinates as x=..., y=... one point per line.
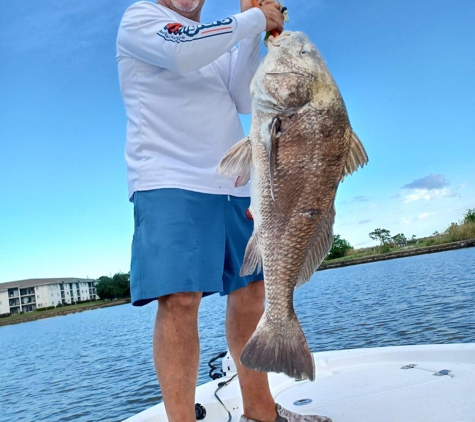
x=428, y=188
x=424, y=215
x=364, y=221
x=360, y=199
x=429, y=194
x=431, y=182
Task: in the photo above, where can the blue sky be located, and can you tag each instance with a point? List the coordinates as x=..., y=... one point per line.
x=406, y=71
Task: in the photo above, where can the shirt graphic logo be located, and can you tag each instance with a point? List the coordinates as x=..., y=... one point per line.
x=176, y=32
x=173, y=28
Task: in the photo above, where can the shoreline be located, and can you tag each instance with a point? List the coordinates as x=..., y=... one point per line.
x=443, y=247
x=62, y=312
x=324, y=266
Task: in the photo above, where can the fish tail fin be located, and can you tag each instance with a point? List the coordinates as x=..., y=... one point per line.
x=279, y=350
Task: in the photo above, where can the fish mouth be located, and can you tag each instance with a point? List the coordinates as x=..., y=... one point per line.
x=275, y=40
x=286, y=73
x=300, y=74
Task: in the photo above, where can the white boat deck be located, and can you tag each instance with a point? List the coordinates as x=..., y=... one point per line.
x=364, y=385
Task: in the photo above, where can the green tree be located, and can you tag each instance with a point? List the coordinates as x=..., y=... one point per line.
x=117, y=287
x=381, y=235
x=400, y=239
x=121, y=283
x=339, y=247
x=105, y=288
x=469, y=217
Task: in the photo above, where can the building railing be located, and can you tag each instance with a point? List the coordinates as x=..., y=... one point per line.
x=27, y=291
x=25, y=301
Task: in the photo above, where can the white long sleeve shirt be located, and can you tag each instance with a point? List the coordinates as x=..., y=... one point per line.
x=183, y=85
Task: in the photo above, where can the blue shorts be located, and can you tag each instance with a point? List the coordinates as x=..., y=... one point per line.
x=187, y=241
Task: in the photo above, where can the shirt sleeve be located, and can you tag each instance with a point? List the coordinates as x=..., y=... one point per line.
x=149, y=35
x=244, y=64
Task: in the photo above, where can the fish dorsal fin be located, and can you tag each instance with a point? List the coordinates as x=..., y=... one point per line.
x=238, y=160
x=318, y=249
x=252, y=257
x=356, y=156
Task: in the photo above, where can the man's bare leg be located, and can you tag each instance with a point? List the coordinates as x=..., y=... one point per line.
x=176, y=352
x=244, y=309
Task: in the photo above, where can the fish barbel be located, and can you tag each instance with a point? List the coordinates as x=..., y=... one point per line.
x=300, y=147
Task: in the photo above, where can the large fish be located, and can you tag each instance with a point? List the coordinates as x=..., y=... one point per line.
x=300, y=147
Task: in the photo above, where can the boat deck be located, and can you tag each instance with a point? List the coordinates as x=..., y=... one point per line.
x=428, y=383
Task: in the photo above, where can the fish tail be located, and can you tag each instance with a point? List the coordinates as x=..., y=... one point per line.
x=279, y=350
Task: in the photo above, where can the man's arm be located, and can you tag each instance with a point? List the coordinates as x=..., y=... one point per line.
x=245, y=62
x=151, y=36
x=244, y=66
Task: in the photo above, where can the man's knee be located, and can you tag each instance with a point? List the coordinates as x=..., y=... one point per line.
x=180, y=302
x=253, y=293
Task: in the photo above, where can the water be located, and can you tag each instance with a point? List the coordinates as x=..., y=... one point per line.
x=97, y=365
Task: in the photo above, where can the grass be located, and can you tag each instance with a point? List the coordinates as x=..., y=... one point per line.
x=52, y=311
x=455, y=233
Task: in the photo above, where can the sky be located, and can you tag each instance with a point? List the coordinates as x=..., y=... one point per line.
x=406, y=71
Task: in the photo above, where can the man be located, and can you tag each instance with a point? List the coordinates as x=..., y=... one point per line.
x=183, y=85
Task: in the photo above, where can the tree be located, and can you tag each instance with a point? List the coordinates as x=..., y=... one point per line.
x=382, y=235
x=400, y=239
x=105, y=288
x=117, y=287
x=121, y=285
x=469, y=217
x=339, y=247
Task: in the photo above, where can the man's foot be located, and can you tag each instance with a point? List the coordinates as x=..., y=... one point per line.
x=284, y=415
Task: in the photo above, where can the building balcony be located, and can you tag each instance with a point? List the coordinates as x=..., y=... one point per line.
x=27, y=292
x=29, y=308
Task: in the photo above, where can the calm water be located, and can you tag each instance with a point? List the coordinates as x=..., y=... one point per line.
x=97, y=365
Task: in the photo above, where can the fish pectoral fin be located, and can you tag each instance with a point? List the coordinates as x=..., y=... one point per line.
x=319, y=248
x=252, y=257
x=243, y=180
x=238, y=160
x=357, y=156
x=275, y=130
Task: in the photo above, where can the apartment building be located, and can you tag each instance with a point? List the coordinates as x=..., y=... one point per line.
x=29, y=295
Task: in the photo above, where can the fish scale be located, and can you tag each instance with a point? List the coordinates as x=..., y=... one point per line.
x=299, y=148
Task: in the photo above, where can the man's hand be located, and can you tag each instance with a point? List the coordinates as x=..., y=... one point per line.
x=271, y=10
x=274, y=17
x=246, y=5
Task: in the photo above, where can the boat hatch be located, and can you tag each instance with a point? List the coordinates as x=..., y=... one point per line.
x=372, y=393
